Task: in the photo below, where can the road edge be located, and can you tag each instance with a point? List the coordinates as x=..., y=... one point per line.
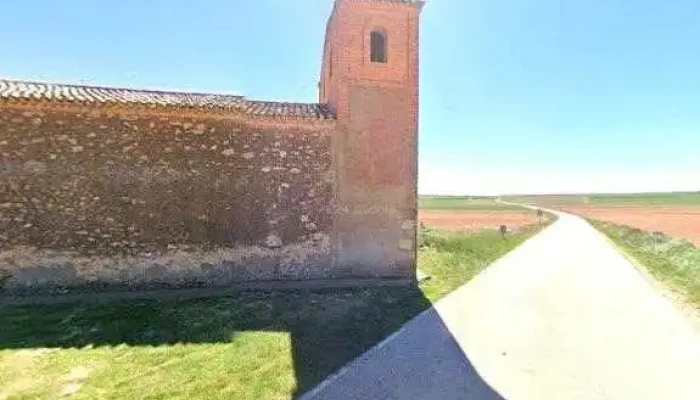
x=689, y=313
x=679, y=301
x=311, y=394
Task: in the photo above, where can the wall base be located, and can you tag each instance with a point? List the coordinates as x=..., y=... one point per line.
x=184, y=294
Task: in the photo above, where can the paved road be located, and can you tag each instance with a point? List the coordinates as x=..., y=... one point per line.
x=564, y=316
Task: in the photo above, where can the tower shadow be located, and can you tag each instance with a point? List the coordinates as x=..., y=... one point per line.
x=327, y=330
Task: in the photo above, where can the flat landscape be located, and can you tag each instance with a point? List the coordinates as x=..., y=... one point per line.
x=471, y=213
x=675, y=214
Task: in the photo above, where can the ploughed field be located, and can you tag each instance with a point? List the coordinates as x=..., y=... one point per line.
x=472, y=214
x=674, y=214
x=677, y=221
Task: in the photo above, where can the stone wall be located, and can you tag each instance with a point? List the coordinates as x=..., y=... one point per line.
x=111, y=198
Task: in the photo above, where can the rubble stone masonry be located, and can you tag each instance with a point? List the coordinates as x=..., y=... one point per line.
x=117, y=198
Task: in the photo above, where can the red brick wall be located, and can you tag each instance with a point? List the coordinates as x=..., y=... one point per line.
x=346, y=49
x=376, y=146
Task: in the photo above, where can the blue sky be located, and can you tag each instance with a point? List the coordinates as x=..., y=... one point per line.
x=516, y=95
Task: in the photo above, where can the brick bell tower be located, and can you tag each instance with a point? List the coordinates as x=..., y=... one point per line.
x=369, y=78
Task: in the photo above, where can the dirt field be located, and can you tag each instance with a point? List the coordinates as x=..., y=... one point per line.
x=476, y=219
x=676, y=221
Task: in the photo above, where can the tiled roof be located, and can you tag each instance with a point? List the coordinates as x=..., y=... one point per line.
x=416, y=2
x=21, y=90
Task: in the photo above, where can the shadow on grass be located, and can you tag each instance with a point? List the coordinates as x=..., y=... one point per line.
x=327, y=328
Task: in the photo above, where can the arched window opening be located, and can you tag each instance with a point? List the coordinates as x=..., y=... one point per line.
x=377, y=47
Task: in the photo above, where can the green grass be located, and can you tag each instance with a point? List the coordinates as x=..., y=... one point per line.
x=453, y=258
x=640, y=199
x=454, y=203
x=255, y=345
x=675, y=262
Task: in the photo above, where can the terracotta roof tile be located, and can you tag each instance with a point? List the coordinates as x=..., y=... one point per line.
x=22, y=90
x=413, y=2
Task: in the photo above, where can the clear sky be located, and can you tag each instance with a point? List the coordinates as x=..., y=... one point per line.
x=516, y=95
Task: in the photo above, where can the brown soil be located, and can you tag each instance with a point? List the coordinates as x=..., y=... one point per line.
x=476, y=220
x=677, y=221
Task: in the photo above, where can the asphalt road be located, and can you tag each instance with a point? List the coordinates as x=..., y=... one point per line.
x=565, y=316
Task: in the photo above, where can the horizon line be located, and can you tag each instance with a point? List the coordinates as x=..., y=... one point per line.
x=565, y=194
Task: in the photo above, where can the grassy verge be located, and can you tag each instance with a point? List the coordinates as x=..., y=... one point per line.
x=453, y=258
x=255, y=345
x=675, y=262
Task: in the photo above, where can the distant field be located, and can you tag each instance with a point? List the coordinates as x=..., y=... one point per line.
x=637, y=199
x=472, y=213
x=461, y=203
x=675, y=214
